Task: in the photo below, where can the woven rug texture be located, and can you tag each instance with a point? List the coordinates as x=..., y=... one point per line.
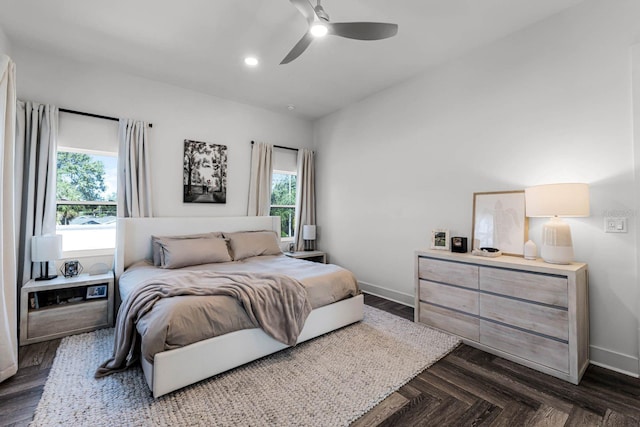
x=329, y=381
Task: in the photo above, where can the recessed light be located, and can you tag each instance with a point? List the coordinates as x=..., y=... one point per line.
x=251, y=61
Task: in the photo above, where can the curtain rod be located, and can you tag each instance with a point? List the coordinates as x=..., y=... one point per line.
x=280, y=146
x=98, y=116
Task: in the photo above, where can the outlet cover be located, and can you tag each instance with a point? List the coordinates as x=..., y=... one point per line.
x=615, y=224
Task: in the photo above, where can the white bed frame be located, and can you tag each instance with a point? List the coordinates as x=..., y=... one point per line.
x=178, y=368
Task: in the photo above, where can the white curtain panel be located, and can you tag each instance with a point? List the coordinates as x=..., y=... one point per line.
x=36, y=146
x=134, y=172
x=8, y=259
x=260, y=180
x=306, y=194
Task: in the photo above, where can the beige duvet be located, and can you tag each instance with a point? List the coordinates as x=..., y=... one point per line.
x=182, y=320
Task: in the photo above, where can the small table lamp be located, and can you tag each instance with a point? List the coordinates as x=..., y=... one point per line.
x=309, y=237
x=44, y=249
x=555, y=201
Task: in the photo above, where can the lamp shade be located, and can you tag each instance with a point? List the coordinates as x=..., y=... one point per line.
x=46, y=247
x=309, y=232
x=555, y=201
x=562, y=200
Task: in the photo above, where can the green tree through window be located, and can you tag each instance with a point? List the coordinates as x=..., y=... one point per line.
x=80, y=177
x=81, y=189
x=283, y=200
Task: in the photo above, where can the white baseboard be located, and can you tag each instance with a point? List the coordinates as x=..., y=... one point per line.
x=622, y=363
x=395, y=296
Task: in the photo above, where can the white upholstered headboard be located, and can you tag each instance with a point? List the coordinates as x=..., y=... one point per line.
x=134, y=234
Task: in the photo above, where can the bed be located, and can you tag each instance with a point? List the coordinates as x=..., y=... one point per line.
x=179, y=367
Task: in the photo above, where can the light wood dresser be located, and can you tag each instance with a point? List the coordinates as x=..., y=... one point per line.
x=530, y=312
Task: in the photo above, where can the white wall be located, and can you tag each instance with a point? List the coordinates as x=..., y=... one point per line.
x=177, y=114
x=5, y=46
x=551, y=103
x=635, y=58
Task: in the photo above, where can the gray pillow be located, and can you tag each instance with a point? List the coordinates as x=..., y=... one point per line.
x=157, y=240
x=184, y=252
x=245, y=244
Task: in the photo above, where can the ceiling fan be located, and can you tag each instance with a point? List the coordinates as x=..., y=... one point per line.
x=319, y=26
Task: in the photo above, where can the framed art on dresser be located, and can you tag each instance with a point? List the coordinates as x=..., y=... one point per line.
x=440, y=239
x=499, y=221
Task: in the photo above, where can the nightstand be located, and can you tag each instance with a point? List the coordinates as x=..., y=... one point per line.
x=65, y=306
x=315, y=256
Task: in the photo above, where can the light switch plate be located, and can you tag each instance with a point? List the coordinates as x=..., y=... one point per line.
x=615, y=224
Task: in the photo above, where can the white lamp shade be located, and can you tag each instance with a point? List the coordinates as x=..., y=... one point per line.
x=309, y=232
x=47, y=247
x=562, y=200
x=557, y=200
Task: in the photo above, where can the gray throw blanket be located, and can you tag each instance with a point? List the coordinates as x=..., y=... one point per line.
x=274, y=302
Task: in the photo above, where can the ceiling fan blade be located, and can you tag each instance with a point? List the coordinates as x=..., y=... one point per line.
x=297, y=50
x=305, y=8
x=363, y=30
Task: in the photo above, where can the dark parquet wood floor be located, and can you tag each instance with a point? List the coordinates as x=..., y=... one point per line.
x=469, y=387
x=466, y=388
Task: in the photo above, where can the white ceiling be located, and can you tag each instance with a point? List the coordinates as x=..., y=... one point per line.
x=200, y=44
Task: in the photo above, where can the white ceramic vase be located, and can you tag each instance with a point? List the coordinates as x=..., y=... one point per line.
x=530, y=250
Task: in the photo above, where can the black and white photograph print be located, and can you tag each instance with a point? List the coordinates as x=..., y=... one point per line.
x=205, y=172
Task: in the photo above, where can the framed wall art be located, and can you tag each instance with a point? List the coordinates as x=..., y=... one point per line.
x=499, y=221
x=204, y=177
x=440, y=239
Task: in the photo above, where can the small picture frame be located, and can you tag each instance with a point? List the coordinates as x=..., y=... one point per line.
x=459, y=244
x=440, y=239
x=71, y=268
x=98, y=291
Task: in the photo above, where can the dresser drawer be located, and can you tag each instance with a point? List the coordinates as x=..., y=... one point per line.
x=451, y=321
x=541, y=288
x=533, y=317
x=452, y=273
x=544, y=351
x=449, y=296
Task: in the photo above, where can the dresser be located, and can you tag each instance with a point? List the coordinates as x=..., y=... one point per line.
x=527, y=311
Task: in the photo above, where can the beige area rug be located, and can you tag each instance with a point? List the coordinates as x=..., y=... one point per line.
x=329, y=381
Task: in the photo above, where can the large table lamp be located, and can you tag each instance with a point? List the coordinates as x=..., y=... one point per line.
x=45, y=248
x=557, y=201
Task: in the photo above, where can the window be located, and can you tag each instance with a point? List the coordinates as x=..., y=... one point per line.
x=86, y=199
x=86, y=185
x=283, y=190
x=283, y=201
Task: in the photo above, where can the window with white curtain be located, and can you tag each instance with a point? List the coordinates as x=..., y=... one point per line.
x=283, y=190
x=87, y=184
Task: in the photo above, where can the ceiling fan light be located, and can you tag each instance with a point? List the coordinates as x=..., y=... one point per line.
x=318, y=30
